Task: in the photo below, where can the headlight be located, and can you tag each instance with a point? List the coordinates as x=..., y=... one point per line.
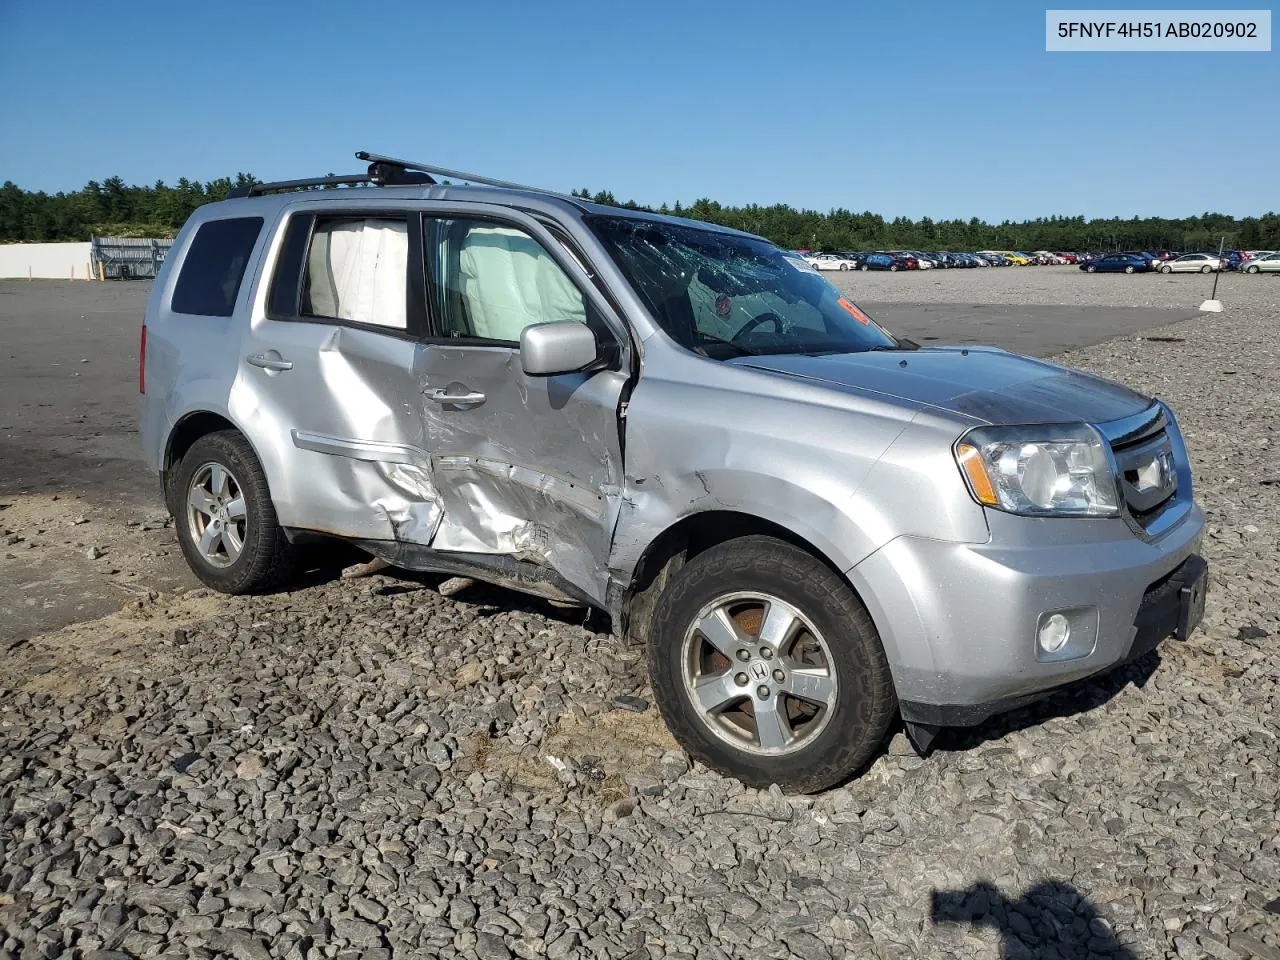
x=1050, y=470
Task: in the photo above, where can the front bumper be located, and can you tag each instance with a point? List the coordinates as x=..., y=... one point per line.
x=958, y=621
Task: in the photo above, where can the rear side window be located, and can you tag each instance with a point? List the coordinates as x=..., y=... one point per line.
x=214, y=267
x=357, y=270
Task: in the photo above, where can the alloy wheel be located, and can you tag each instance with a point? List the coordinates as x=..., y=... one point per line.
x=758, y=673
x=216, y=514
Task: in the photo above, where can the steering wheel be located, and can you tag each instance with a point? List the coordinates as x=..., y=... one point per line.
x=757, y=321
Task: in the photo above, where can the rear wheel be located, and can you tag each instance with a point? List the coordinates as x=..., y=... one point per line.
x=225, y=520
x=767, y=667
x=893, y=268
x=863, y=268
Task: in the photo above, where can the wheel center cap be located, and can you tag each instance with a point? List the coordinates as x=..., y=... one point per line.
x=758, y=670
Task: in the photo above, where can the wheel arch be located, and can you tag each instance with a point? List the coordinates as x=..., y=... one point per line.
x=684, y=539
x=189, y=428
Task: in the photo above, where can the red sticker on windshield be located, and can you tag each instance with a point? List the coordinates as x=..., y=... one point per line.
x=857, y=314
x=724, y=306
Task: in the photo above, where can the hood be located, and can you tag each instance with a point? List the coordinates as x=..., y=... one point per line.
x=984, y=383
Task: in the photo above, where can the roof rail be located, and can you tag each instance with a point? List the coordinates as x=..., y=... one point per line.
x=380, y=162
x=384, y=172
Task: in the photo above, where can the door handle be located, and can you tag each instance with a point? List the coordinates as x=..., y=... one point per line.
x=269, y=363
x=440, y=395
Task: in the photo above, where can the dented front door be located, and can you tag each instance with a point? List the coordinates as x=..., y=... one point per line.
x=529, y=467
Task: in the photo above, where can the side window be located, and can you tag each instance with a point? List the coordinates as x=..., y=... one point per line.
x=357, y=270
x=492, y=281
x=214, y=267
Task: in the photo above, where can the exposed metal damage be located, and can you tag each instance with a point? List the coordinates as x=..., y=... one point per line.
x=430, y=500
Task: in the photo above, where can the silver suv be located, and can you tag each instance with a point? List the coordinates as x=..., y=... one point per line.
x=813, y=525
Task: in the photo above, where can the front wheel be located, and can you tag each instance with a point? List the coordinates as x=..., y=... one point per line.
x=1091, y=269
x=1252, y=269
x=863, y=268
x=1129, y=269
x=1206, y=269
x=225, y=520
x=1166, y=269
x=893, y=268
x=844, y=266
x=767, y=667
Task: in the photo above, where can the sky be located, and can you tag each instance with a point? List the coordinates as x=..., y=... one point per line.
x=939, y=109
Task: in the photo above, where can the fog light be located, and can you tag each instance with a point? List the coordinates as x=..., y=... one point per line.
x=1055, y=631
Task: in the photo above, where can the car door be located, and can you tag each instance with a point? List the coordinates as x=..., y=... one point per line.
x=527, y=467
x=328, y=381
x=1189, y=264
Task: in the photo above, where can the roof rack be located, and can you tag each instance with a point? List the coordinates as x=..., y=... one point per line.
x=385, y=172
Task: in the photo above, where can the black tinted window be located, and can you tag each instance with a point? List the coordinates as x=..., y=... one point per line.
x=215, y=265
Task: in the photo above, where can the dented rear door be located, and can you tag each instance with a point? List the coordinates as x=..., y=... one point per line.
x=529, y=467
x=328, y=388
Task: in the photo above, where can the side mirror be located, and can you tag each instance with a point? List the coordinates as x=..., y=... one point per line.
x=548, y=349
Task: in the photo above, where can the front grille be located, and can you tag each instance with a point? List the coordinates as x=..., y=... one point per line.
x=1144, y=457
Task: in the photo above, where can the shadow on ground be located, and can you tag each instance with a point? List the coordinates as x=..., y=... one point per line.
x=1075, y=698
x=1050, y=921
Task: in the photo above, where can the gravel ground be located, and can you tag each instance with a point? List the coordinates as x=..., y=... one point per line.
x=365, y=768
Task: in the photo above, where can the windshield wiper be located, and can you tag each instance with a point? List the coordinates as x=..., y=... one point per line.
x=742, y=351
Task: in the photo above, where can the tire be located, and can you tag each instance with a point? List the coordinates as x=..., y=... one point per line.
x=1166, y=269
x=844, y=266
x=893, y=268
x=864, y=268
x=1206, y=269
x=1253, y=269
x=264, y=558
x=1091, y=269
x=734, y=586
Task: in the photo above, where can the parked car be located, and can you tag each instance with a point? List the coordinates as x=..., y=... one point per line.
x=1069, y=257
x=1117, y=263
x=1267, y=263
x=831, y=261
x=877, y=261
x=1191, y=263
x=448, y=377
x=1232, y=260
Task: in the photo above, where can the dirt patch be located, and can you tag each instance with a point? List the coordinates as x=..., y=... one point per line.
x=68, y=558
x=596, y=753
x=139, y=640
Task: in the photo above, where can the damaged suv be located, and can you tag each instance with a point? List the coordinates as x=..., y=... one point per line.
x=813, y=525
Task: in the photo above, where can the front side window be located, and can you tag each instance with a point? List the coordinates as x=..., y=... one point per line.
x=214, y=267
x=357, y=270
x=493, y=280
x=725, y=296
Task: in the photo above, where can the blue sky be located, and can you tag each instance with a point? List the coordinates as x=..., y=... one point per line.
x=938, y=109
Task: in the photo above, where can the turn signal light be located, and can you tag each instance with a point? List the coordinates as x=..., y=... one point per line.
x=973, y=467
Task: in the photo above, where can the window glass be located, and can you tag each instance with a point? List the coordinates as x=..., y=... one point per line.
x=357, y=269
x=492, y=281
x=214, y=267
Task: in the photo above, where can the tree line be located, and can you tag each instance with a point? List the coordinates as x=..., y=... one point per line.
x=113, y=208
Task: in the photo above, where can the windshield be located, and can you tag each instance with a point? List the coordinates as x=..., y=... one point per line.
x=725, y=296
